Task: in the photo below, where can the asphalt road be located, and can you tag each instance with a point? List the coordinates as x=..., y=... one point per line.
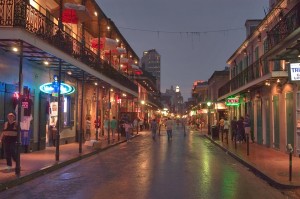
x=187, y=167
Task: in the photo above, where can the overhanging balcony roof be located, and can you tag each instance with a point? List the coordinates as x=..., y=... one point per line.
x=257, y=83
x=38, y=51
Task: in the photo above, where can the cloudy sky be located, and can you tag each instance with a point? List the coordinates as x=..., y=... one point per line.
x=193, y=37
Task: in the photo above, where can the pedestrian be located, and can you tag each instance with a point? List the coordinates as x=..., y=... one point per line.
x=88, y=128
x=221, y=125
x=240, y=129
x=233, y=125
x=226, y=128
x=97, y=124
x=153, y=126
x=169, y=126
x=128, y=128
x=247, y=124
x=113, y=126
x=9, y=139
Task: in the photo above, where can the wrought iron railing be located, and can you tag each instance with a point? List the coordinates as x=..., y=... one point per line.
x=255, y=71
x=23, y=15
x=286, y=25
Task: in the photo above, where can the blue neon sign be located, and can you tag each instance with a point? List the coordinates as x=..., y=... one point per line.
x=52, y=88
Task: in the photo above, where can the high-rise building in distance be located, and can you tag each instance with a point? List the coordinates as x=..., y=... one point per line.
x=151, y=63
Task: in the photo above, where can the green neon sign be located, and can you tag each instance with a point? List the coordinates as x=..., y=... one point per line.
x=232, y=101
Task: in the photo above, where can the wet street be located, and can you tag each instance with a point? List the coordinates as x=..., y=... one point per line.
x=186, y=167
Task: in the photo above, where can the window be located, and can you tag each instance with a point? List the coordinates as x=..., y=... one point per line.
x=67, y=111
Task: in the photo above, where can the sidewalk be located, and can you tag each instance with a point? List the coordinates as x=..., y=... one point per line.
x=39, y=163
x=269, y=164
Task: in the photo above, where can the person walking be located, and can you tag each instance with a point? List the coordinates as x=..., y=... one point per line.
x=9, y=139
x=113, y=126
x=169, y=126
x=153, y=126
x=128, y=128
x=233, y=125
x=240, y=129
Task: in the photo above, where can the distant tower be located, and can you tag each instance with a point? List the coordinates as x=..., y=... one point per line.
x=151, y=63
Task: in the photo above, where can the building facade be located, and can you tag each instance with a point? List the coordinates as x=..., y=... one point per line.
x=151, y=63
x=259, y=82
x=63, y=64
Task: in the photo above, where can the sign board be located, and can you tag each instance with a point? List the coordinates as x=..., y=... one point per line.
x=233, y=101
x=294, y=72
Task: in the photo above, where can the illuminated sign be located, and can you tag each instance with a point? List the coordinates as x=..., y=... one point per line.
x=233, y=101
x=294, y=71
x=52, y=88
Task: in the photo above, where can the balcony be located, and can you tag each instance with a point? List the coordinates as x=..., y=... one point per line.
x=28, y=18
x=286, y=25
x=253, y=75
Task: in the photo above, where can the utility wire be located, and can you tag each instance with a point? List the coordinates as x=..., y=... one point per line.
x=181, y=32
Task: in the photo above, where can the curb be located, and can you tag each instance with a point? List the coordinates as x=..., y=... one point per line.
x=252, y=168
x=56, y=166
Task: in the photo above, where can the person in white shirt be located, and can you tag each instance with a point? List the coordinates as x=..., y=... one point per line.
x=226, y=127
x=169, y=126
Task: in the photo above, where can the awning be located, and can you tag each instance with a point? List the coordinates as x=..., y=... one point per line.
x=72, y=13
x=117, y=51
x=105, y=43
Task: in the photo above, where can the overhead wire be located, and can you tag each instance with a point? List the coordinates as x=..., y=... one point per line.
x=181, y=32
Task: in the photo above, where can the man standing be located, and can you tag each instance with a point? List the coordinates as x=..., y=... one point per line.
x=169, y=126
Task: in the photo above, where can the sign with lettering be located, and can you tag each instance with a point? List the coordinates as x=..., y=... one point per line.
x=233, y=101
x=294, y=71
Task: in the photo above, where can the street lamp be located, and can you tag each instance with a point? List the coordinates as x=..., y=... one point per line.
x=208, y=115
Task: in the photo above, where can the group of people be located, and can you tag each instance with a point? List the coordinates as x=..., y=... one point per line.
x=154, y=125
x=240, y=129
x=97, y=123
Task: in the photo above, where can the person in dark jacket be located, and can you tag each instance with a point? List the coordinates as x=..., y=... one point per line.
x=233, y=125
x=240, y=129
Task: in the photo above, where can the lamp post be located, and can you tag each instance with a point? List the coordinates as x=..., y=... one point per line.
x=208, y=119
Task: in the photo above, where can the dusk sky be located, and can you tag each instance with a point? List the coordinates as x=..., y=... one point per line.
x=193, y=37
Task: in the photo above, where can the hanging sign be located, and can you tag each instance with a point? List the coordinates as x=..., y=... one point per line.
x=52, y=88
x=233, y=101
x=294, y=72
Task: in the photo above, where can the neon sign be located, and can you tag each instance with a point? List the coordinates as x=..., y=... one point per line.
x=233, y=101
x=52, y=88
